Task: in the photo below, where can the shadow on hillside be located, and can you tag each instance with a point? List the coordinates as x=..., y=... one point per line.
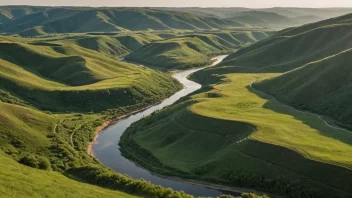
x=308, y=119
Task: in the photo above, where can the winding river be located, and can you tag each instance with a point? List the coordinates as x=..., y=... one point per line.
x=107, y=150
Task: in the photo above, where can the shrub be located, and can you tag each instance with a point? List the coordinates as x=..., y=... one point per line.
x=43, y=163
x=30, y=160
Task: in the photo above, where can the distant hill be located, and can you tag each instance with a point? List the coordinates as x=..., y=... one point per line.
x=41, y=20
x=270, y=18
x=294, y=47
x=192, y=50
x=251, y=20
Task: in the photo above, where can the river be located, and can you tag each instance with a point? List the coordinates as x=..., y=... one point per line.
x=107, y=150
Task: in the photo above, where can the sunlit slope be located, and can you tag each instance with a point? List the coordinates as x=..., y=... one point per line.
x=192, y=50
x=323, y=86
x=20, y=181
x=63, y=75
x=83, y=19
x=282, y=52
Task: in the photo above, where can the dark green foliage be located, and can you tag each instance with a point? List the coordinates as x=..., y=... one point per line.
x=33, y=161
x=108, y=178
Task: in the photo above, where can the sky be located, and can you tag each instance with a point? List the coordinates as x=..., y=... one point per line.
x=185, y=3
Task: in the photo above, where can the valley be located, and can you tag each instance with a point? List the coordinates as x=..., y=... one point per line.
x=170, y=102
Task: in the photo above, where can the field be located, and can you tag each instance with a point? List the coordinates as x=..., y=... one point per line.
x=230, y=129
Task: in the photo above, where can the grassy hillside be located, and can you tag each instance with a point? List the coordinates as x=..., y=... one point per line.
x=64, y=76
x=295, y=47
x=254, y=137
x=21, y=181
x=46, y=20
x=326, y=87
x=193, y=50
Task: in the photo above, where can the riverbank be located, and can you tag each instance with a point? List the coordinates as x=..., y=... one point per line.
x=108, y=123
x=106, y=149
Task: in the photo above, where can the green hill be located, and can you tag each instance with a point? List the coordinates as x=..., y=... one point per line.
x=322, y=86
x=192, y=50
x=295, y=47
x=63, y=76
x=231, y=134
x=45, y=20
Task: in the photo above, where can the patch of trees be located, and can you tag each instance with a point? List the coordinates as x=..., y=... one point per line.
x=277, y=186
x=107, y=178
x=33, y=161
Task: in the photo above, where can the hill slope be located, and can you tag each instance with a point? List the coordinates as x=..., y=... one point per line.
x=295, y=47
x=193, y=50
x=20, y=181
x=64, y=76
x=323, y=86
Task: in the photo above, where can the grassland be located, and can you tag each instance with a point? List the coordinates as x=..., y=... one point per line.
x=230, y=133
x=294, y=47
x=326, y=89
x=193, y=50
x=21, y=181
x=64, y=76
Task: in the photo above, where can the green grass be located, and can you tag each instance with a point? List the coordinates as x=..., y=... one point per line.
x=21, y=181
x=193, y=50
x=326, y=87
x=205, y=140
x=64, y=76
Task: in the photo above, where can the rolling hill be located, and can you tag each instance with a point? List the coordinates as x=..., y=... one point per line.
x=294, y=47
x=63, y=76
x=44, y=20
x=322, y=86
x=269, y=18
x=193, y=50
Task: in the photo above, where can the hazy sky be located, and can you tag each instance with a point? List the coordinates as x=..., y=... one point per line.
x=186, y=3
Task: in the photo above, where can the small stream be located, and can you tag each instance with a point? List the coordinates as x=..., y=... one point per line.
x=107, y=150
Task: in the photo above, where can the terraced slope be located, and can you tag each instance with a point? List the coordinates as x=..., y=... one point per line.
x=64, y=76
x=45, y=20
x=295, y=47
x=192, y=50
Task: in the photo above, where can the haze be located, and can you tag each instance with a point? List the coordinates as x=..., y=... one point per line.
x=185, y=3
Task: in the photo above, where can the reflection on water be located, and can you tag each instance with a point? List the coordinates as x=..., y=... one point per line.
x=107, y=149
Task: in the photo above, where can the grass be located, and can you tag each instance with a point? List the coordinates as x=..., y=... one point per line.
x=295, y=47
x=282, y=144
x=193, y=50
x=64, y=76
x=21, y=181
x=325, y=91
